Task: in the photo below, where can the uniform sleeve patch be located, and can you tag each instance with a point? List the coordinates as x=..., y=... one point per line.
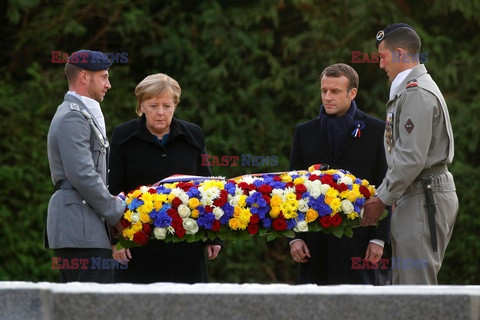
x=412, y=83
x=409, y=125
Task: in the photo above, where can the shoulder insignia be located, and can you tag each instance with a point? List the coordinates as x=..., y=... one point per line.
x=412, y=83
x=74, y=106
x=409, y=125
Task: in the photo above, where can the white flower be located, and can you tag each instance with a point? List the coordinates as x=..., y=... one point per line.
x=324, y=188
x=182, y=195
x=135, y=217
x=302, y=226
x=218, y=212
x=347, y=180
x=314, y=188
x=190, y=225
x=250, y=179
x=160, y=233
x=303, y=205
x=171, y=230
x=184, y=211
x=144, y=189
x=277, y=192
x=347, y=206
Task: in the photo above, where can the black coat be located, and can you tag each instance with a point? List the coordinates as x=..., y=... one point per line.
x=364, y=157
x=138, y=158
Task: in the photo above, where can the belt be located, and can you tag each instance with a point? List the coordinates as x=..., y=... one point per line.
x=433, y=171
x=63, y=184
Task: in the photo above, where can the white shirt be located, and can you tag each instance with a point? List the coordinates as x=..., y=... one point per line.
x=94, y=108
x=398, y=81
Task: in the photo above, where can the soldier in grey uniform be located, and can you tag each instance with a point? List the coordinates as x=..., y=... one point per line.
x=418, y=146
x=81, y=210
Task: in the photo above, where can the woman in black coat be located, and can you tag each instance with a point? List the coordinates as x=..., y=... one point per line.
x=146, y=150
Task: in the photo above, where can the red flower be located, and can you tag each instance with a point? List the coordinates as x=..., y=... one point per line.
x=326, y=221
x=327, y=179
x=252, y=228
x=208, y=208
x=265, y=189
x=341, y=187
x=277, y=178
x=173, y=213
x=152, y=191
x=215, y=226
x=279, y=224
x=266, y=198
x=180, y=231
x=222, y=199
x=336, y=220
x=147, y=228
x=246, y=187
x=177, y=223
x=140, y=238
x=313, y=177
x=185, y=186
x=176, y=202
x=289, y=185
x=254, y=219
x=365, y=192
x=125, y=223
x=300, y=188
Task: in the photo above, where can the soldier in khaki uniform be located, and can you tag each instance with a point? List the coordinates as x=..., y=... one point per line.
x=419, y=146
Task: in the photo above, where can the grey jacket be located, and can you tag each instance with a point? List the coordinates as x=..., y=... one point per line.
x=418, y=133
x=81, y=204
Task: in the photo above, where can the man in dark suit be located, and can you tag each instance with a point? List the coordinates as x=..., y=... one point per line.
x=343, y=137
x=81, y=210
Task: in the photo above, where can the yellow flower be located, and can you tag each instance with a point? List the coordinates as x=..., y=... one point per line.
x=212, y=184
x=275, y=201
x=365, y=183
x=145, y=208
x=130, y=231
x=145, y=218
x=194, y=214
x=311, y=215
x=286, y=178
x=353, y=215
x=275, y=211
x=193, y=203
x=234, y=223
x=335, y=204
x=298, y=180
x=170, y=197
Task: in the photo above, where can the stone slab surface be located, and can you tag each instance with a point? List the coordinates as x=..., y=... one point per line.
x=26, y=300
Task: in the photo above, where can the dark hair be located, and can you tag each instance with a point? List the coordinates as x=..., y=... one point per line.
x=71, y=72
x=404, y=38
x=341, y=69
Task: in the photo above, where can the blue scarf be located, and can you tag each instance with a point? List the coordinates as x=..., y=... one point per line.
x=337, y=128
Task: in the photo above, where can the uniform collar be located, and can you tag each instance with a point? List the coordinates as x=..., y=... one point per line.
x=413, y=73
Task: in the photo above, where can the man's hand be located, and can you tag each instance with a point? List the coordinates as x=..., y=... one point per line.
x=122, y=256
x=374, y=252
x=299, y=251
x=374, y=208
x=213, y=250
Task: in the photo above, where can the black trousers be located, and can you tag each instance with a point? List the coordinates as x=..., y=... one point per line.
x=84, y=265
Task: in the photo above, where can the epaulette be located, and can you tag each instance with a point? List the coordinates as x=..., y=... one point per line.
x=412, y=83
x=74, y=106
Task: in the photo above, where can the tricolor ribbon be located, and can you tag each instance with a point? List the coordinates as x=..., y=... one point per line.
x=359, y=126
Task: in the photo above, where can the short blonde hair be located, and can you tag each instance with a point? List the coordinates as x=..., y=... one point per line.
x=156, y=85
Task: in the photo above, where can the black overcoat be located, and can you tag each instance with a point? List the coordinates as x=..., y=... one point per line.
x=364, y=157
x=138, y=158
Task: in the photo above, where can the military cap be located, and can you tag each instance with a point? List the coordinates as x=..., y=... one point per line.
x=90, y=60
x=382, y=34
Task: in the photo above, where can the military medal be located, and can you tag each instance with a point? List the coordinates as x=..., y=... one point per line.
x=389, y=131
